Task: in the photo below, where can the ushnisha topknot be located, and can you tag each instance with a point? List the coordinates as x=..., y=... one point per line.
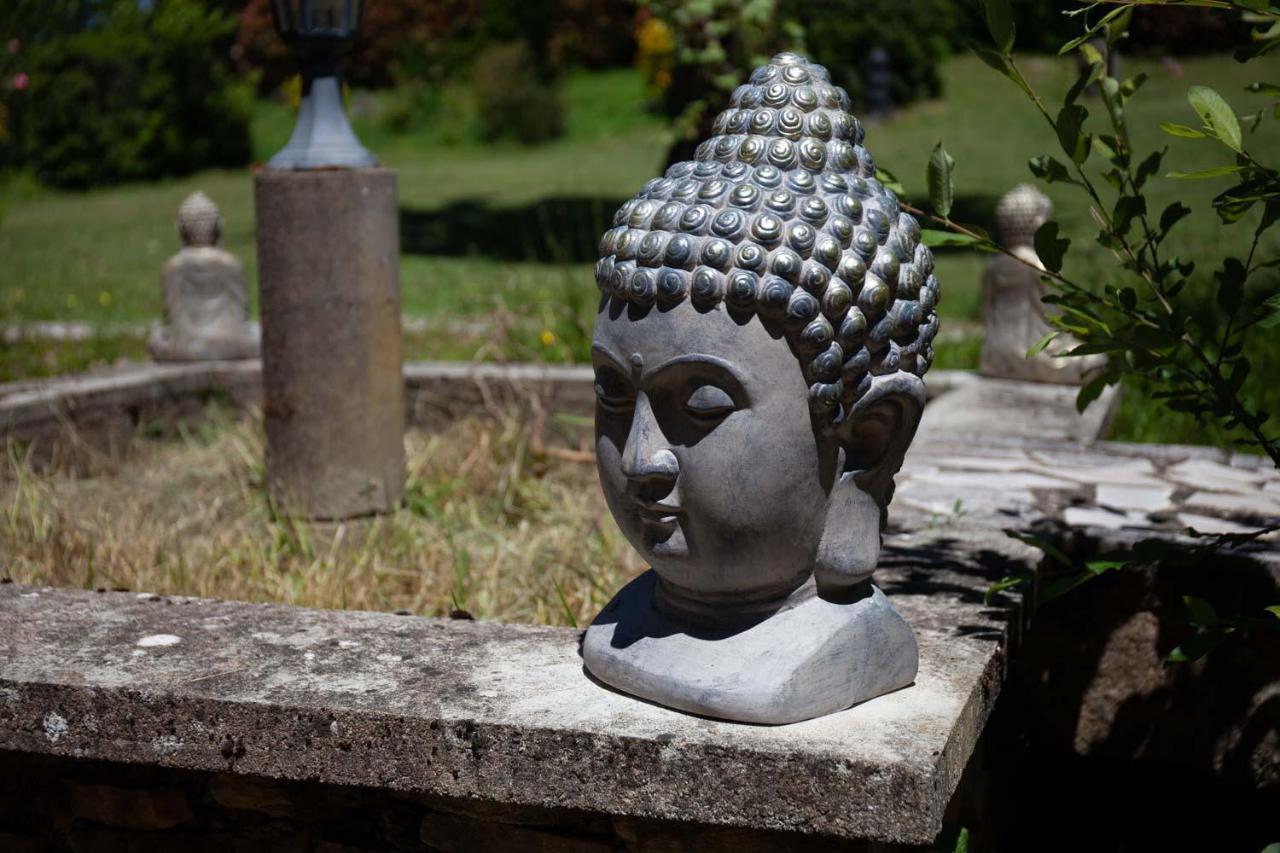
x=199, y=221
x=781, y=215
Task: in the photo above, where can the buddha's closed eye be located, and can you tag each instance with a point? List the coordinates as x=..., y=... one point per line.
x=613, y=392
x=709, y=403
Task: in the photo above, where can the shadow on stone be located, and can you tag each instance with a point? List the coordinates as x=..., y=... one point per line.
x=1092, y=705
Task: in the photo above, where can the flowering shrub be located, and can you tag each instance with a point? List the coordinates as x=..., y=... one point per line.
x=655, y=53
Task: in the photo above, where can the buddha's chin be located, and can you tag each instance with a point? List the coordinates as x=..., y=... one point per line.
x=664, y=540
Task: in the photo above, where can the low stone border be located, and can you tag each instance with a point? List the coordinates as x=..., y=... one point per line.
x=78, y=416
x=497, y=713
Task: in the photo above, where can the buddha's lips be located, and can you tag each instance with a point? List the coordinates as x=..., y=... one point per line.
x=653, y=511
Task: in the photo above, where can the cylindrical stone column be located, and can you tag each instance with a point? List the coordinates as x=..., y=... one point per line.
x=329, y=276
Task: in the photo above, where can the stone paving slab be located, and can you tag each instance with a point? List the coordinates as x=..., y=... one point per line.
x=1102, y=486
x=497, y=712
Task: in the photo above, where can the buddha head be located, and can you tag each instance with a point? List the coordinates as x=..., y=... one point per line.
x=1020, y=213
x=199, y=221
x=767, y=314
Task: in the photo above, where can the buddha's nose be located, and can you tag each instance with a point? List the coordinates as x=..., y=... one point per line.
x=647, y=456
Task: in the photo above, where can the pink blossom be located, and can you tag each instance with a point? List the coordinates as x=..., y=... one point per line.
x=21, y=81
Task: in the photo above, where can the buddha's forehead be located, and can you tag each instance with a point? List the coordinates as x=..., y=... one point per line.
x=643, y=340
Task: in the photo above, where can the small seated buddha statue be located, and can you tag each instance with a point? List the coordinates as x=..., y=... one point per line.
x=1013, y=315
x=206, y=307
x=767, y=314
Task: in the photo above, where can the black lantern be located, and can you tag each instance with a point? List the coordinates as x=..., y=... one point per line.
x=318, y=32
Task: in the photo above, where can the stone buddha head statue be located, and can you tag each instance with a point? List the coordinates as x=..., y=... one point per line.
x=766, y=318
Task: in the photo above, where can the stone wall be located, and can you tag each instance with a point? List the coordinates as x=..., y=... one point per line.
x=50, y=804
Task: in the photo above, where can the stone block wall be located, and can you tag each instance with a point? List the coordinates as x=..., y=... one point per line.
x=53, y=804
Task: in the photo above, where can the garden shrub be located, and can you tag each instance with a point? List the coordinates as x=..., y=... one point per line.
x=918, y=36
x=144, y=95
x=513, y=101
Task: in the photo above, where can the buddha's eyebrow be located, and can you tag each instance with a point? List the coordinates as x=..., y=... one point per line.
x=687, y=358
x=699, y=358
x=603, y=350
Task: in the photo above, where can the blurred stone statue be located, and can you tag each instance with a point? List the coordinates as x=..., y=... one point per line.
x=1013, y=316
x=767, y=316
x=206, y=306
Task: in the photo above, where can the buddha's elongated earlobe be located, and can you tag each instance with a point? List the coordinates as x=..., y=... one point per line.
x=850, y=543
x=875, y=436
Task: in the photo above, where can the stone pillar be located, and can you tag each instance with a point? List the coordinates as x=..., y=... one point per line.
x=329, y=275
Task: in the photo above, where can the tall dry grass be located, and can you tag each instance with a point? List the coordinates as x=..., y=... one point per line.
x=491, y=524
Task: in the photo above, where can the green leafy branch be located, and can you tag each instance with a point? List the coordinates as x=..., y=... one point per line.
x=1138, y=321
x=1139, y=324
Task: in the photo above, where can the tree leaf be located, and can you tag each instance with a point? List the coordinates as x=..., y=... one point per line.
x=1215, y=172
x=1196, y=647
x=1071, y=135
x=1098, y=567
x=1202, y=612
x=1039, y=346
x=1217, y=115
x=999, y=62
x=1270, y=215
x=1230, y=285
x=1148, y=167
x=939, y=180
x=1000, y=24
x=1049, y=169
x=1128, y=208
x=1270, y=311
x=1050, y=247
x=1182, y=131
x=890, y=181
x=992, y=58
x=1119, y=26
x=1009, y=582
x=1090, y=392
x=1087, y=78
x=1172, y=215
x=935, y=237
x=1274, y=610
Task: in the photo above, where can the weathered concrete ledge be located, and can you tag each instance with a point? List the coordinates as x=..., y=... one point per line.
x=491, y=712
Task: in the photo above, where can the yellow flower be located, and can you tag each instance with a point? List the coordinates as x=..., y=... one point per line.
x=548, y=337
x=72, y=302
x=655, y=36
x=104, y=298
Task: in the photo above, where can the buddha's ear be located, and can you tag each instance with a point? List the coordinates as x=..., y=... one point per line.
x=873, y=439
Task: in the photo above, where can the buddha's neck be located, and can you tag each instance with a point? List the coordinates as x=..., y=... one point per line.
x=731, y=607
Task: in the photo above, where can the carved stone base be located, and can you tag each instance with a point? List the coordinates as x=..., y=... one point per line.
x=810, y=658
x=165, y=345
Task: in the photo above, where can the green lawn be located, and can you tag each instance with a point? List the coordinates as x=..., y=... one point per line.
x=474, y=215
